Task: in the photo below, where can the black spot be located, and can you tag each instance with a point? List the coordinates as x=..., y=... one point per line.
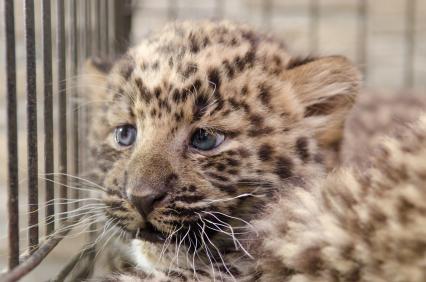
x=232, y=162
x=234, y=103
x=255, y=132
x=189, y=198
x=190, y=69
x=176, y=96
x=155, y=65
x=239, y=63
x=244, y=153
x=302, y=148
x=218, y=177
x=185, y=94
x=144, y=92
x=277, y=60
x=206, y=41
x=249, y=57
x=298, y=61
x=264, y=94
x=229, y=189
x=219, y=104
x=284, y=167
x=192, y=188
x=127, y=67
x=229, y=69
x=197, y=85
x=171, y=180
x=214, y=77
x=200, y=107
x=244, y=90
x=178, y=117
x=220, y=167
x=246, y=107
x=157, y=92
x=256, y=120
x=181, y=212
x=232, y=171
x=265, y=152
x=193, y=44
x=153, y=112
x=163, y=104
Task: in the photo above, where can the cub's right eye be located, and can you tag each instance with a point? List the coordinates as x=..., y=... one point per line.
x=125, y=135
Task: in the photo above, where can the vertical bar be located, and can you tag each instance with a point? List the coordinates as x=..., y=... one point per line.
x=12, y=136
x=75, y=111
x=410, y=37
x=267, y=13
x=48, y=116
x=60, y=40
x=313, y=25
x=97, y=29
x=122, y=24
x=362, y=36
x=31, y=126
x=88, y=28
x=105, y=28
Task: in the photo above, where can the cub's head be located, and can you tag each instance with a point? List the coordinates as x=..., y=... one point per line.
x=197, y=128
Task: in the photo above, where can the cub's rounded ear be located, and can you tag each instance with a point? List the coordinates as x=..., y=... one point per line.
x=94, y=78
x=326, y=88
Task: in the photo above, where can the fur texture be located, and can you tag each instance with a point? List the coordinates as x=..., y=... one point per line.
x=282, y=120
x=355, y=226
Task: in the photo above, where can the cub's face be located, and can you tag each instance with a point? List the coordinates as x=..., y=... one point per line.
x=195, y=130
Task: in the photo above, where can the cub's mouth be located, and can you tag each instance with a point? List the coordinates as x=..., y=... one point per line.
x=149, y=233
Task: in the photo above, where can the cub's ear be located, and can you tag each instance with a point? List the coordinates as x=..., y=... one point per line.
x=94, y=78
x=326, y=88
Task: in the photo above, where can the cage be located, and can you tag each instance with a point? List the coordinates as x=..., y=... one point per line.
x=46, y=43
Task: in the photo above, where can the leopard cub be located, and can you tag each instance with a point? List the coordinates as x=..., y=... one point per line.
x=196, y=130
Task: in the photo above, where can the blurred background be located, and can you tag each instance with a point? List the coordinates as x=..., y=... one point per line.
x=385, y=38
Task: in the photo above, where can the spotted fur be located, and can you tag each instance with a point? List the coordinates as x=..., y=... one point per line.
x=281, y=116
x=354, y=226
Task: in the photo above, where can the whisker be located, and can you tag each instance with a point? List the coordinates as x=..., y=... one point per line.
x=78, y=178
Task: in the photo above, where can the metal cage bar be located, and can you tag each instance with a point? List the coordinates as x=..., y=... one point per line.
x=32, y=153
x=12, y=136
x=78, y=22
x=48, y=116
x=62, y=100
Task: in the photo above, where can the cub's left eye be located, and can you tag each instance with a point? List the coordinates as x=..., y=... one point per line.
x=204, y=140
x=125, y=135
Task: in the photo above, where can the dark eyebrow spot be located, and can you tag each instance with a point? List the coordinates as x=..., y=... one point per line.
x=200, y=107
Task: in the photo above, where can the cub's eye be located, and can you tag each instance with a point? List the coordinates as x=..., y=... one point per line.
x=204, y=140
x=125, y=135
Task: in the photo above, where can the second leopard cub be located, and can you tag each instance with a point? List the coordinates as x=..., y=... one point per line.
x=195, y=130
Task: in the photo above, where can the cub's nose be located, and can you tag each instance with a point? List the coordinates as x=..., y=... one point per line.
x=145, y=204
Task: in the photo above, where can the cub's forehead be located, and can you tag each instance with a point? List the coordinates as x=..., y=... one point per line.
x=190, y=70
